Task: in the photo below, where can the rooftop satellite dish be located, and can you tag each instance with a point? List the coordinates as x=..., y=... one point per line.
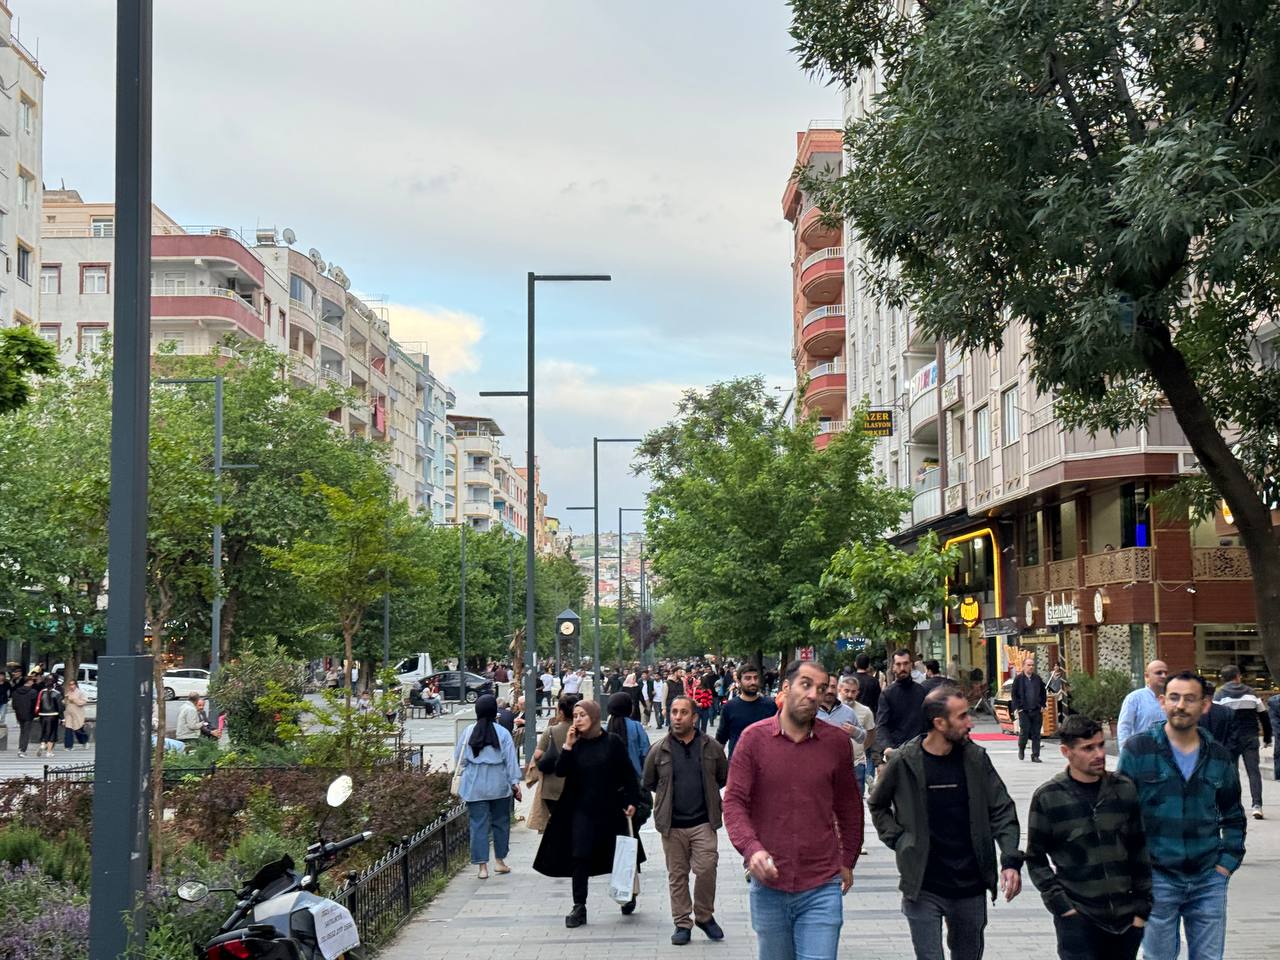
x=313, y=253
x=289, y=236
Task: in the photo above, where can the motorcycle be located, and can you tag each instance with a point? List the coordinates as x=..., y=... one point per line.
x=278, y=913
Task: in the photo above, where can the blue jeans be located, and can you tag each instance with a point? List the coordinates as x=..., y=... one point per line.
x=797, y=926
x=860, y=771
x=1199, y=902
x=489, y=815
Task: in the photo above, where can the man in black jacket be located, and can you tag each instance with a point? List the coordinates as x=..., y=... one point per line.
x=1029, y=698
x=868, y=685
x=901, y=712
x=1250, y=716
x=24, y=709
x=744, y=709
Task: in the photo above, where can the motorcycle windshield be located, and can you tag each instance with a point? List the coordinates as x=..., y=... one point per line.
x=271, y=873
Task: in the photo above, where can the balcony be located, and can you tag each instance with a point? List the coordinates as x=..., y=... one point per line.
x=822, y=275
x=926, y=506
x=1032, y=580
x=822, y=333
x=477, y=508
x=815, y=233
x=332, y=375
x=953, y=493
x=828, y=429
x=827, y=385
x=303, y=367
x=1220, y=563
x=924, y=412
x=209, y=302
x=917, y=340
x=302, y=308
x=1063, y=574
x=1117, y=566
x=481, y=477
x=331, y=335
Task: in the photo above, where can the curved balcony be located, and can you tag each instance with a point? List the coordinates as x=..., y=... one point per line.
x=302, y=367
x=822, y=275
x=827, y=429
x=221, y=245
x=814, y=233
x=827, y=386
x=822, y=331
x=331, y=335
x=924, y=413
x=209, y=303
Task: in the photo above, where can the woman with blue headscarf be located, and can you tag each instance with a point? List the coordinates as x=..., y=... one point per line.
x=491, y=775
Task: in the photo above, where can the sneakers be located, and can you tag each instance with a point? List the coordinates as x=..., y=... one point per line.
x=711, y=929
x=681, y=936
x=577, y=916
x=1036, y=760
x=22, y=754
x=1257, y=813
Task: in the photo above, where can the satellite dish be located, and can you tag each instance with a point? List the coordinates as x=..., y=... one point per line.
x=313, y=253
x=290, y=237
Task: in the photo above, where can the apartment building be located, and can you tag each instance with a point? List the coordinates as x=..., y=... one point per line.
x=1061, y=552
x=818, y=286
x=21, y=176
x=488, y=491
x=212, y=288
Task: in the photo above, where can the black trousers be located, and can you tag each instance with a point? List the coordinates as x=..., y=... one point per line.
x=1081, y=939
x=24, y=733
x=1029, y=726
x=581, y=874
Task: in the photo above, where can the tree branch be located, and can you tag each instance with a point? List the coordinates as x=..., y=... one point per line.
x=1063, y=82
x=1241, y=89
x=1137, y=130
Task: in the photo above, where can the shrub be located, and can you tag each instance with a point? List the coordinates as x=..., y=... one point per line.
x=44, y=919
x=1099, y=696
x=239, y=689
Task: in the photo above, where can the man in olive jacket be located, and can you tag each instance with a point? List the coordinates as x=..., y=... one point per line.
x=932, y=786
x=687, y=770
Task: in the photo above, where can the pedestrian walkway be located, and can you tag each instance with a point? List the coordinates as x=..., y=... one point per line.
x=523, y=913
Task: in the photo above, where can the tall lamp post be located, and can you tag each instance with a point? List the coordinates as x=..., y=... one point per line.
x=530, y=637
x=462, y=607
x=597, y=686
x=119, y=793
x=621, y=511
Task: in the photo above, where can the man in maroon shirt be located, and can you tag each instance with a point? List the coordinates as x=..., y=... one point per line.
x=793, y=810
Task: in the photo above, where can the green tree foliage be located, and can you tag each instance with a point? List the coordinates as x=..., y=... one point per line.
x=887, y=591
x=1102, y=173
x=243, y=688
x=23, y=355
x=745, y=514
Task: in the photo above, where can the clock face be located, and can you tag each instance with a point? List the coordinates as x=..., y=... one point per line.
x=1098, y=609
x=566, y=628
x=1030, y=613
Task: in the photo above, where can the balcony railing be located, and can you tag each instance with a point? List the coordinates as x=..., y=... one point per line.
x=824, y=369
x=1117, y=566
x=834, y=310
x=929, y=480
x=304, y=307
x=1032, y=580
x=956, y=469
x=826, y=253
x=333, y=375
x=1220, y=563
x=1063, y=574
x=926, y=505
x=833, y=426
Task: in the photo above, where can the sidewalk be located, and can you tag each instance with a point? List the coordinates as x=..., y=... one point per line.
x=523, y=913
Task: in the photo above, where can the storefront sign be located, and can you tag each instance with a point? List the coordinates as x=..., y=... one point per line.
x=999, y=627
x=970, y=611
x=1099, y=606
x=1060, y=608
x=1029, y=613
x=926, y=378
x=878, y=423
x=1037, y=639
x=804, y=654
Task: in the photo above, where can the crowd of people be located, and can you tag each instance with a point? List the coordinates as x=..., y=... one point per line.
x=1138, y=857
x=43, y=707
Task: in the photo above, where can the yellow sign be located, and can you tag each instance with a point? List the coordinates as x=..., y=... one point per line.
x=970, y=611
x=878, y=423
x=1227, y=516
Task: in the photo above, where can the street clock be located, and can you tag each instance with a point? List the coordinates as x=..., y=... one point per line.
x=568, y=626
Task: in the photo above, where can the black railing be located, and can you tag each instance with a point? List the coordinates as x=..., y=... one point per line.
x=381, y=898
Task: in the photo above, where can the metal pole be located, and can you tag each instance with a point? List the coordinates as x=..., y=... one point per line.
x=597, y=686
x=511, y=595
x=621, y=602
x=462, y=615
x=120, y=787
x=530, y=638
x=643, y=614
x=215, y=615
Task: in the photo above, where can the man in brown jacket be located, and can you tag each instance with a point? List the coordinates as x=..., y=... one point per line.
x=686, y=771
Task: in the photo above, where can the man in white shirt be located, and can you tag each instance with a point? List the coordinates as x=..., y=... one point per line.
x=839, y=714
x=1141, y=708
x=548, y=689
x=866, y=719
x=572, y=682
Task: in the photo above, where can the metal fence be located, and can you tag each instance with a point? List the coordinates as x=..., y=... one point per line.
x=383, y=897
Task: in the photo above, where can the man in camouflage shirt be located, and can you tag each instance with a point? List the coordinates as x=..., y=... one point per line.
x=1089, y=823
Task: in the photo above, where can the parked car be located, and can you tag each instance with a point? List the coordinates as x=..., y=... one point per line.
x=477, y=685
x=182, y=681
x=86, y=673
x=413, y=668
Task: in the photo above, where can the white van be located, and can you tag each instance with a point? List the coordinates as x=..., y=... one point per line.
x=87, y=678
x=413, y=668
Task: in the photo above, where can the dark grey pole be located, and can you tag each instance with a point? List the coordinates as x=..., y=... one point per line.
x=643, y=613
x=462, y=615
x=120, y=792
x=531, y=500
x=597, y=686
x=511, y=595
x=621, y=601
x=215, y=652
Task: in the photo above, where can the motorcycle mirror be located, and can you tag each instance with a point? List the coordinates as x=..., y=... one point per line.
x=339, y=791
x=192, y=891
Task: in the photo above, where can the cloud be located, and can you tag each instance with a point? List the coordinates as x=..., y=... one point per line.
x=451, y=336
x=575, y=388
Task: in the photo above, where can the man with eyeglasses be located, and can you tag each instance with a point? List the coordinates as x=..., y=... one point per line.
x=1190, y=795
x=1141, y=708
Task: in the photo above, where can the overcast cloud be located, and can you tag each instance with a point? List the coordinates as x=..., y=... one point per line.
x=438, y=151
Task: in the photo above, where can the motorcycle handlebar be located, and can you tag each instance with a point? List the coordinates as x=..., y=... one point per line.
x=320, y=851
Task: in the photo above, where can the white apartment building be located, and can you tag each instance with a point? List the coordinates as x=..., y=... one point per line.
x=21, y=176
x=489, y=491
x=419, y=429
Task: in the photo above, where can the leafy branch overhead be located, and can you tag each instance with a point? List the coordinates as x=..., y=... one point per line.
x=1094, y=185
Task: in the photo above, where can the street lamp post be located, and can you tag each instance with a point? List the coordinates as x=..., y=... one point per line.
x=530, y=644
x=621, y=511
x=117, y=918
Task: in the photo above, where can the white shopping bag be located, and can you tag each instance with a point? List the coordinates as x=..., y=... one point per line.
x=623, y=881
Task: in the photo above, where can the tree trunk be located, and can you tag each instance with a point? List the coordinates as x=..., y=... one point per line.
x=158, y=619
x=347, y=633
x=230, y=605
x=1252, y=517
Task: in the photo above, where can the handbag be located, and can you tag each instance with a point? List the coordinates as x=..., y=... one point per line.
x=624, y=881
x=455, y=784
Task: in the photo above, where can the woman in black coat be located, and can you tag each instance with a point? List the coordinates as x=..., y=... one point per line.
x=600, y=793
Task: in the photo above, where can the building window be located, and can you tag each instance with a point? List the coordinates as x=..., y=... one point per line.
x=1011, y=425
x=26, y=114
x=51, y=279
x=51, y=332
x=283, y=316
x=302, y=291
x=178, y=339
x=175, y=284
x=94, y=279
x=91, y=338
x=982, y=433
x=24, y=263
x=26, y=188
x=102, y=226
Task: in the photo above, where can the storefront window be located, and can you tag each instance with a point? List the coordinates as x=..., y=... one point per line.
x=1135, y=515
x=1222, y=644
x=1031, y=539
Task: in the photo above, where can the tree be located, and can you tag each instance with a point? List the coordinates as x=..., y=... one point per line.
x=23, y=354
x=1101, y=174
x=345, y=563
x=745, y=514
x=887, y=591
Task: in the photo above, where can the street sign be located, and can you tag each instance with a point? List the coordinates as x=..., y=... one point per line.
x=804, y=654
x=999, y=626
x=878, y=423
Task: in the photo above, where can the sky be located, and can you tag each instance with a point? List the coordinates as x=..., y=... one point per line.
x=439, y=151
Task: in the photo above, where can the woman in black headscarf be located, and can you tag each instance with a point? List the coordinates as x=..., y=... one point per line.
x=491, y=775
x=600, y=793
